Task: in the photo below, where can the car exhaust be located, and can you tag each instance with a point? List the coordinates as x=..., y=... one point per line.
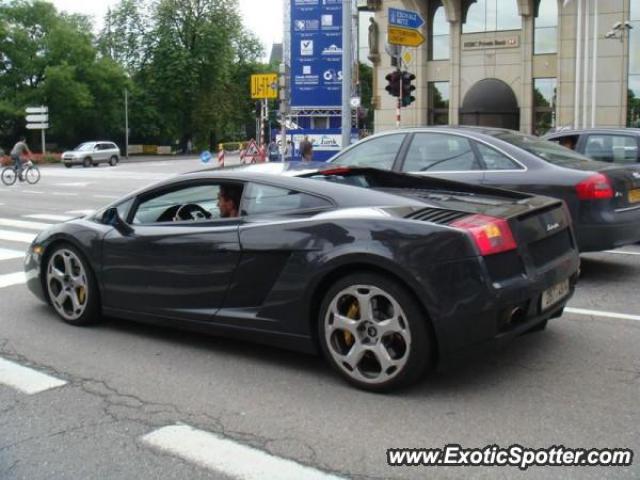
x=517, y=315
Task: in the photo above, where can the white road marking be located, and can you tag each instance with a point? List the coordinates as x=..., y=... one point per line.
x=72, y=184
x=9, y=222
x=622, y=252
x=8, y=254
x=25, y=379
x=11, y=279
x=47, y=216
x=106, y=196
x=228, y=457
x=12, y=236
x=599, y=313
x=80, y=212
x=35, y=192
x=65, y=194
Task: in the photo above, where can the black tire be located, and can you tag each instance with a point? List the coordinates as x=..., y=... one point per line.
x=68, y=165
x=91, y=312
x=9, y=176
x=418, y=353
x=96, y=164
x=86, y=163
x=113, y=161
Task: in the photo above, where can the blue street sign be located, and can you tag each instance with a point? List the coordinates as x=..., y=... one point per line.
x=405, y=18
x=205, y=157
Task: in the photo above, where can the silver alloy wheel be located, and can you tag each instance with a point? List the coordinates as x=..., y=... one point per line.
x=367, y=334
x=67, y=284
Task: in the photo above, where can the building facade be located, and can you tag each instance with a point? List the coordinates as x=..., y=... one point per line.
x=529, y=65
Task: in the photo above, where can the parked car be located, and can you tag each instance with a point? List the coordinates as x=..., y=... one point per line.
x=92, y=153
x=604, y=199
x=612, y=145
x=384, y=273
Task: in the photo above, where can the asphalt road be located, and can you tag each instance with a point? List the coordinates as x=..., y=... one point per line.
x=576, y=384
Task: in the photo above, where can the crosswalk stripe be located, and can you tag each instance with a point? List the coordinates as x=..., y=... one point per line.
x=12, y=236
x=26, y=380
x=49, y=216
x=10, y=279
x=80, y=212
x=228, y=457
x=9, y=222
x=8, y=254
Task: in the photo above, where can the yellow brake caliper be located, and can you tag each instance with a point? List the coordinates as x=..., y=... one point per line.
x=352, y=313
x=82, y=295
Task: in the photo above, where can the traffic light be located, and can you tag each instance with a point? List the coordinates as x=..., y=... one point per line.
x=258, y=109
x=394, y=79
x=407, y=88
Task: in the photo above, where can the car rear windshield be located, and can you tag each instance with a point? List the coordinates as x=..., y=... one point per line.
x=546, y=150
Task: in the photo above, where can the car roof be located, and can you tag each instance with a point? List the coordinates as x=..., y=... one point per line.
x=289, y=177
x=578, y=131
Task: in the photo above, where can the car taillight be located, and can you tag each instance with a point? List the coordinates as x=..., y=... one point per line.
x=596, y=187
x=491, y=235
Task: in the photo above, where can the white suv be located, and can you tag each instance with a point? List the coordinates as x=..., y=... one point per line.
x=92, y=153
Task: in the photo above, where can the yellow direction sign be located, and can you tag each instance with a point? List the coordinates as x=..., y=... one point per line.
x=264, y=86
x=405, y=36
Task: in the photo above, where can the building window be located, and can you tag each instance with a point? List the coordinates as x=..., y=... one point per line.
x=438, y=103
x=439, y=28
x=319, y=123
x=484, y=16
x=633, y=92
x=544, y=105
x=545, y=34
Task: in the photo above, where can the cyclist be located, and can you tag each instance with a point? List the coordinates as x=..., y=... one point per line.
x=18, y=150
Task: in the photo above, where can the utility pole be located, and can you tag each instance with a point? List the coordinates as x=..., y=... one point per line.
x=346, y=73
x=126, y=123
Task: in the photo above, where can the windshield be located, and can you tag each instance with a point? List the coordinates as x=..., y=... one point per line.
x=549, y=151
x=84, y=147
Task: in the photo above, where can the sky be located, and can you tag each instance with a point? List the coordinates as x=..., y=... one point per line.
x=263, y=17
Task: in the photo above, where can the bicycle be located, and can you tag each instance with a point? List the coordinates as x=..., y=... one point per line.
x=30, y=174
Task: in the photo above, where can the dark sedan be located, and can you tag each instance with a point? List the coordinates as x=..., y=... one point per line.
x=604, y=199
x=384, y=273
x=612, y=145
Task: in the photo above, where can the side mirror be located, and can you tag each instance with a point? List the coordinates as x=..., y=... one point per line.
x=112, y=217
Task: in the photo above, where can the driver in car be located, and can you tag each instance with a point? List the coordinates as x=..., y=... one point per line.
x=229, y=200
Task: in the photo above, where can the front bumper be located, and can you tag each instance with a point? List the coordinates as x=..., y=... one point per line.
x=32, y=270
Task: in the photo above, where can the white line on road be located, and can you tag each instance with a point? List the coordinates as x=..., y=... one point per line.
x=9, y=222
x=106, y=196
x=598, y=313
x=64, y=194
x=72, y=184
x=8, y=254
x=621, y=252
x=10, y=279
x=25, y=379
x=16, y=236
x=46, y=216
x=80, y=212
x=228, y=457
x=35, y=192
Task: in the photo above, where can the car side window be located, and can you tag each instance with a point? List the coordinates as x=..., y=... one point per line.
x=195, y=203
x=494, y=160
x=612, y=148
x=437, y=152
x=379, y=152
x=567, y=141
x=261, y=199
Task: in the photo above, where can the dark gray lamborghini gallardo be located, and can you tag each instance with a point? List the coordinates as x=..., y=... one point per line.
x=385, y=273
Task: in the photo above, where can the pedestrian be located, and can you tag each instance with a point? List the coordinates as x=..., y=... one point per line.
x=189, y=146
x=16, y=152
x=306, y=150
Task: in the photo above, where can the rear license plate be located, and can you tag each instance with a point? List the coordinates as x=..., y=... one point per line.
x=554, y=294
x=634, y=195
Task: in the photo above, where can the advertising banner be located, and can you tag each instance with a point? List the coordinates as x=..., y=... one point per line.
x=316, y=53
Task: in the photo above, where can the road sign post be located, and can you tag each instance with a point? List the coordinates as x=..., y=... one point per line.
x=37, y=119
x=403, y=28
